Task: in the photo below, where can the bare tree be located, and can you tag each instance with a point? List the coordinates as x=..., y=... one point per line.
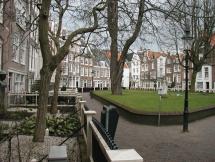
x=202, y=16
x=113, y=28
x=50, y=62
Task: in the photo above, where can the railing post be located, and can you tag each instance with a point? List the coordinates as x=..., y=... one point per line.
x=78, y=98
x=89, y=115
x=81, y=109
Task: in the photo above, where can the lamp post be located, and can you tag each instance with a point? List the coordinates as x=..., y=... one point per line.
x=187, y=38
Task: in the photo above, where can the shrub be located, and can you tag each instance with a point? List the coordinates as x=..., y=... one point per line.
x=58, y=126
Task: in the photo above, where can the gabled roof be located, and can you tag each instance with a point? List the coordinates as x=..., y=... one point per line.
x=108, y=55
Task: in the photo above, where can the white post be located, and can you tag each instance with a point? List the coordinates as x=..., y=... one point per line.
x=81, y=108
x=33, y=160
x=47, y=132
x=78, y=98
x=124, y=155
x=89, y=115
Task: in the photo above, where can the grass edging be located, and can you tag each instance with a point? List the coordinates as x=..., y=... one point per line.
x=151, y=118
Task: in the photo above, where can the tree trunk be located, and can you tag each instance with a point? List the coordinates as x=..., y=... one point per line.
x=56, y=88
x=114, y=62
x=45, y=74
x=116, y=86
x=193, y=81
x=116, y=80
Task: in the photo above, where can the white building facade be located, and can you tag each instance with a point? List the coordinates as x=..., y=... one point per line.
x=135, y=71
x=204, y=79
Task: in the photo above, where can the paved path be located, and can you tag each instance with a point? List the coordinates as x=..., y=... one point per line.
x=165, y=143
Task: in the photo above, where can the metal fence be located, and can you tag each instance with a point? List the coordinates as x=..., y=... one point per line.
x=65, y=99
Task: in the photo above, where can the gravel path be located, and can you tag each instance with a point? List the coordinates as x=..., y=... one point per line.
x=30, y=150
x=165, y=143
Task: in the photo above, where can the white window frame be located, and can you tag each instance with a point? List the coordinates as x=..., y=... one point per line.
x=206, y=72
x=16, y=40
x=153, y=65
x=22, y=53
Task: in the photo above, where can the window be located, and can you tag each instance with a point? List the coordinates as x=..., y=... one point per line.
x=22, y=53
x=161, y=72
x=200, y=56
x=82, y=71
x=65, y=69
x=169, y=70
x=1, y=12
x=90, y=61
x=86, y=61
x=81, y=60
x=175, y=68
x=178, y=78
x=101, y=74
x=86, y=71
x=108, y=73
x=70, y=57
x=200, y=74
x=168, y=79
x=168, y=61
x=161, y=61
x=199, y=85
x=146, y=67
x=206, y=72
x=153, y=65
x=70, y=69
x=19, y=83
x=15, y=47
x=76, y=67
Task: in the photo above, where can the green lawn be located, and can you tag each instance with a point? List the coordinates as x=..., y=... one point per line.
x=148, y=101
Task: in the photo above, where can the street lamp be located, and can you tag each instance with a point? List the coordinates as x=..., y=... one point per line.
x=187, y=38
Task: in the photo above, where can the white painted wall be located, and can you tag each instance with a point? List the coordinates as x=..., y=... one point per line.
x=161, y=66
x=202, y=79
x=125, y=78
x=135, y=70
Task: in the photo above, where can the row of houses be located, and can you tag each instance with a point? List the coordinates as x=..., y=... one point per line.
x=21, y=59
x=20, y=55
x=150, y=69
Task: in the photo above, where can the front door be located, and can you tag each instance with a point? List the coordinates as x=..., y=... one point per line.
x=207, y=86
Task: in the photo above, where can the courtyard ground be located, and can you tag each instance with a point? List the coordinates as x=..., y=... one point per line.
x=165, y=143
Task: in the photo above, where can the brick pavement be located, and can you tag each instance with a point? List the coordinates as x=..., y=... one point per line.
x=165, y=143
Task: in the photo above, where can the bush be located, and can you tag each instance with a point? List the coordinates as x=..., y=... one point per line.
x=3, y=128
x=58, y=126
